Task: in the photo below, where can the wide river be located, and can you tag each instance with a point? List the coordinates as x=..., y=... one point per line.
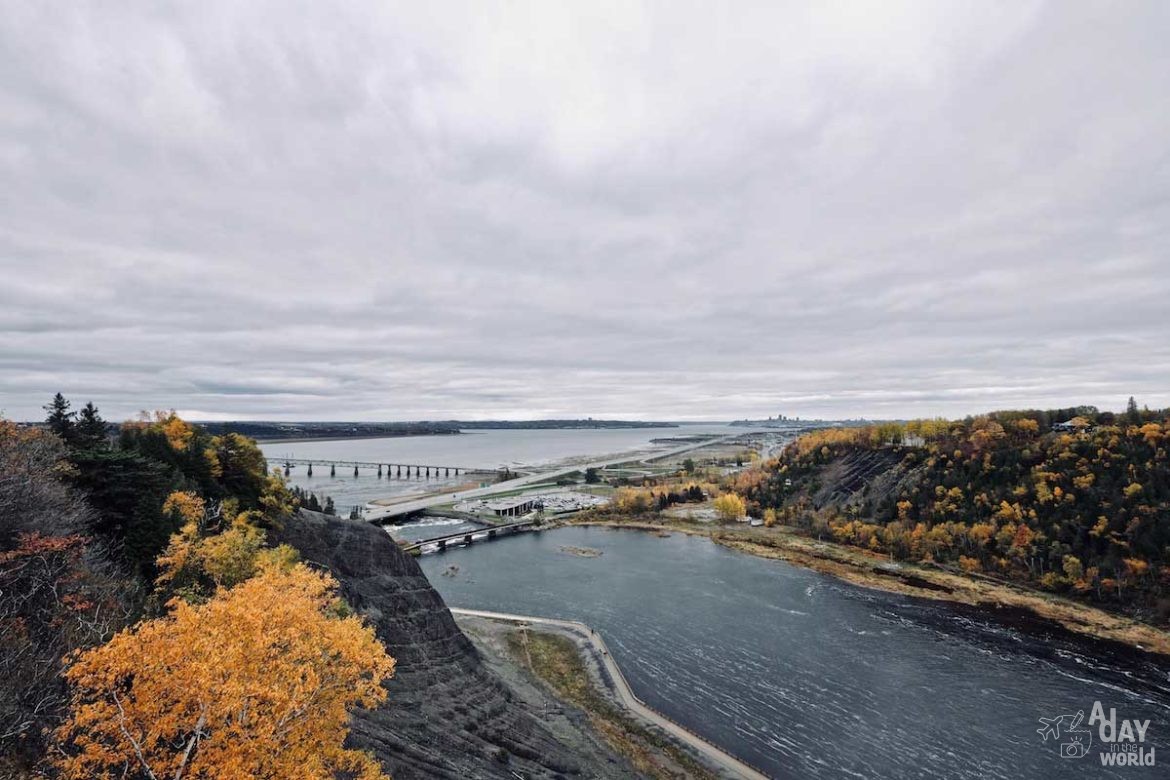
x=489, y=449
x=806, y=676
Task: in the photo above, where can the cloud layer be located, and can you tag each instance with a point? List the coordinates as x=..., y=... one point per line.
x=375, y=210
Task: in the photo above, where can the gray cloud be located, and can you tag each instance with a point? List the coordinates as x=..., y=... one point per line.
x=390, y=211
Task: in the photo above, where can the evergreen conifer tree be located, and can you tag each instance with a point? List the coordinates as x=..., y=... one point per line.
x=90, y=429
x=60, y=419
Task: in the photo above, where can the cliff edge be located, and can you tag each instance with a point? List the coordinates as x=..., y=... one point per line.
x=447, y=715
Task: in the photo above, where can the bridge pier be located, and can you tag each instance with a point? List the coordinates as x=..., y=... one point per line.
x=442, y=544
x=467, y=539
x=333, y=469
x=400, y=472
x=428, y=472
x=287, y=469
x=355, y=473
x=310, y=470
x=446, y=472
x=379, y=471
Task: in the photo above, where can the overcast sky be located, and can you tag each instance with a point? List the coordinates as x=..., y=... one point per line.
x=380, y=210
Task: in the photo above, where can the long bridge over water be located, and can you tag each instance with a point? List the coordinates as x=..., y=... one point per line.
x=391, y=470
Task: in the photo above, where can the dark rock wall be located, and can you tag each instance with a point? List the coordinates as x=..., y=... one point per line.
x=447, y=715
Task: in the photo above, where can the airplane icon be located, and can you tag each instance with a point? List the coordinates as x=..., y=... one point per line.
x=1051, y=728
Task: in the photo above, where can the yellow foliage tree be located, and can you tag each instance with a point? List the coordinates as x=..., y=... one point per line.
x=177, y=431
x=730, y=507
x=633, y=501
x=188, y=506
x=256, y=683
x=230, y=557
x=195, y=563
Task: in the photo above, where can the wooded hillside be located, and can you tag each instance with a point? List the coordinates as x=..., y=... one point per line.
x=1072, y=501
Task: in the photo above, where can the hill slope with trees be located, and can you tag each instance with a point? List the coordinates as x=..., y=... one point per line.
x=1072, y=501
x=169, y=611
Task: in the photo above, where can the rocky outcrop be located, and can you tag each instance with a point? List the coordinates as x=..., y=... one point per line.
x=861, y=480
x=447, y=715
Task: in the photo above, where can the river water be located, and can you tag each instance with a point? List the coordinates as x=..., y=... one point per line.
x=487, y=449
x=806, y=676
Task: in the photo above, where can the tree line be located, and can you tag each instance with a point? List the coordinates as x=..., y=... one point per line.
x=1074, y=501
x=149, y=628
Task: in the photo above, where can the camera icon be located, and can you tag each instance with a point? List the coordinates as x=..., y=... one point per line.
x=1073, y=749
x=1073, y=740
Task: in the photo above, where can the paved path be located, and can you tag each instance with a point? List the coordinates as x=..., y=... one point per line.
x=627, y=696
x=376, y=512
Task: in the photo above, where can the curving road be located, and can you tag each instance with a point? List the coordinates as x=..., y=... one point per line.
x=626, y=695
x=377, y=512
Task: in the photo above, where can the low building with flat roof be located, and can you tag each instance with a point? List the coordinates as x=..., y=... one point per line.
x=511, y=507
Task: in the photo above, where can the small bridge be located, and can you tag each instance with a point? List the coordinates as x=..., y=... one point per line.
x=468, y=537
x=392, y=470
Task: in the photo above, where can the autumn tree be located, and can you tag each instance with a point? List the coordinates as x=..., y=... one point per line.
x=1006, y=491
x=256, y=683
x=633, y=501
x=729, y=507
x=57, y=590
x=155, y=455
x=240, y=469
x=209, y=551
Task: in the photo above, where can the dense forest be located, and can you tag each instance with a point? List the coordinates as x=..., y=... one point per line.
x=148, y=629
x=1073, y=501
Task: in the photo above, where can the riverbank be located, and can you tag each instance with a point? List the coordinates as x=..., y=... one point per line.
x=571, y=661
x=1005, y=602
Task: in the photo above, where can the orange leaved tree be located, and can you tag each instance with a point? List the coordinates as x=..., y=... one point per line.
x=255, y=683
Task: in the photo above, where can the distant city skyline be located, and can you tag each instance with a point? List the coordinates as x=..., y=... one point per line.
x=391, y=211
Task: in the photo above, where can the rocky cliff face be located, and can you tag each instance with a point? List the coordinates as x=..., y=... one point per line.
x=862, y=480
x=447, y=715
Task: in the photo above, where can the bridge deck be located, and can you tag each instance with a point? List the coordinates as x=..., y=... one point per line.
x=491, y=530
x=373, y=464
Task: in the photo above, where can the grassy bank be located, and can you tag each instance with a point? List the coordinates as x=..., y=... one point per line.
x=556, y=660
x=866, y=569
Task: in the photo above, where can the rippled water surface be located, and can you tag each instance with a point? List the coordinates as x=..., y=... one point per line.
x=805, y=676
x=430, y=527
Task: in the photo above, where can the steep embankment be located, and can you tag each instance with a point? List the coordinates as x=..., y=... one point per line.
x=1081, y=511
x=861, y=479
x=447, y=715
